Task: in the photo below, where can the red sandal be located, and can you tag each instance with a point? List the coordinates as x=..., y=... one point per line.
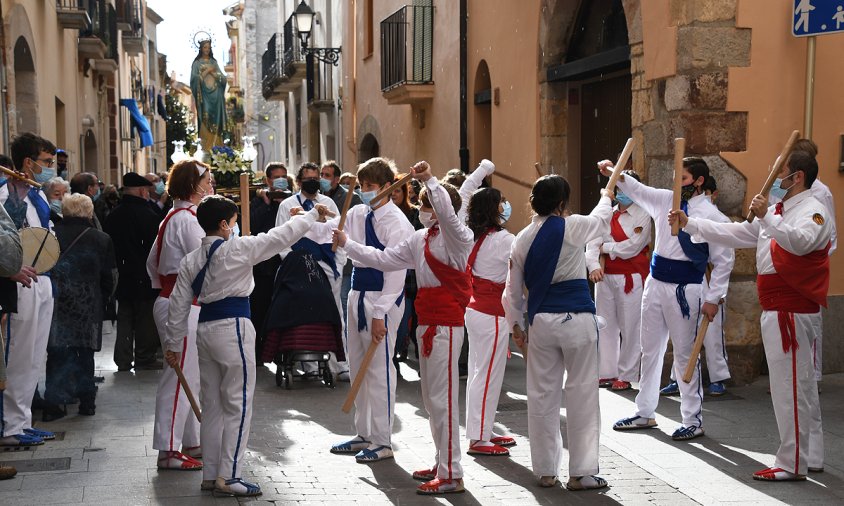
x=179, y=461
x=438, y=486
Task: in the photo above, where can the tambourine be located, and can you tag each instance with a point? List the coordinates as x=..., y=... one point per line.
x=40, y=248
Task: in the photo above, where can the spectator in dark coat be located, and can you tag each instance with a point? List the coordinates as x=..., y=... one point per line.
x=83, y=280
x=133, y=226
x=330, y=185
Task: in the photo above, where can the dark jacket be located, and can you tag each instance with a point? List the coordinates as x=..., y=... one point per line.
x=133, y=226
x=338, y=195
x=262, y=216
x=83, y=281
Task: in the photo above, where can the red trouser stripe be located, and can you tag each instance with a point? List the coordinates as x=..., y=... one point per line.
x=488, y=374
x=450, y=454
x=178, y=390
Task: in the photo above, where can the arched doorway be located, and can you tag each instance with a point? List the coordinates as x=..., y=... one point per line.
x=26, y=91
x=369, y=148
x=482, y=114
x=90, y=161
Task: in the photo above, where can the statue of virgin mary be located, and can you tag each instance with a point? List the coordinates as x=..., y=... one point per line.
x=208, y=86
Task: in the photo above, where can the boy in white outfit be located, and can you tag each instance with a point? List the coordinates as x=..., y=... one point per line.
x=219, y=275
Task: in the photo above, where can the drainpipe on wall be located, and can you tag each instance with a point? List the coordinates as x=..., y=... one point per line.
x=464, y=124
x=4, y=88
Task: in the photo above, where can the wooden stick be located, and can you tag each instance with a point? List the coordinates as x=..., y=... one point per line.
x=772, y=176
x=622, y=162
x=388, y=190
x=538, y=170
x=512, y=179
x=679, y=151
x=364, y=365
x=188, y=392
x=244, y=204
x=19, y=176
x=690, y=367
x=346, y=204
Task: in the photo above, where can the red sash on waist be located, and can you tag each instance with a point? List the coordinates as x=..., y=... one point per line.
x=445, y=304
x=168, y=281
x=639, y=264
x=486, y=294
x=800, y=285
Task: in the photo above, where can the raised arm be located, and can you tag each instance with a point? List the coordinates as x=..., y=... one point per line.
x=257, y=248
x=474, y=181
x=455, y=233
x=584, y=229
x=731, y=235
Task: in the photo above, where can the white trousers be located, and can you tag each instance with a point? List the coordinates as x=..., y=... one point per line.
x=558, y=342
x=619, y=345
x=176, y=426
x=489, y=337
x=794, y=394
x=27, y=333
x=441, y=396
x=377, y=396
x=715, y=344
x=817, y=343
x=227, y=359
x=661, y=317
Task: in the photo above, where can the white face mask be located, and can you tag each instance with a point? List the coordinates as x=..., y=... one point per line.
x=426, y=219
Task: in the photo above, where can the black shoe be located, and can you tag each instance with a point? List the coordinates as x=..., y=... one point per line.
x=87, y=410
x=99, y=379
x=52, y=412
x=124, y=368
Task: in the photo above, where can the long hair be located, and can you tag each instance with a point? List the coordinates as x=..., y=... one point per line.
x=210, y=51
x=404, y=202
x=483, y=211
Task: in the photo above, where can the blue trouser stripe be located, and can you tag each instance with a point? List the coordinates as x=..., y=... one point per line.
x=699, y=378
x=243, y=409
x=387, y=356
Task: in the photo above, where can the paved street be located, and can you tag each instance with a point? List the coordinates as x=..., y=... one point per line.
x=108, y=459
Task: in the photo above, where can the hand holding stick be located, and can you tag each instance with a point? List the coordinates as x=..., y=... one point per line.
x=679, y=151
x=772, y=176
x=364, y=365
x=622, y=162
x=346, y=204
x=19, y=176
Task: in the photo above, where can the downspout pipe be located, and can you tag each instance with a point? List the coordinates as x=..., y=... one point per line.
x=464, y=122
x=4, y=85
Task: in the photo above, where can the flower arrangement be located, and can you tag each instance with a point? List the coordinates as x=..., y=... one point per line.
x=227, y=164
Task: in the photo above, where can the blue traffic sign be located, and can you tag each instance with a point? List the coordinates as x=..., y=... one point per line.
x=817, y=17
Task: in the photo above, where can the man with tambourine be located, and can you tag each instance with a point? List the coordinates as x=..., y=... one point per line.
x=27, y=330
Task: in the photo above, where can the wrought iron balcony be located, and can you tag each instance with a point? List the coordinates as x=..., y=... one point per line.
x=98, y=42
x=406, y=55
x=73, y=14
x=320, y=83
x=130, y=21
x=282, y=64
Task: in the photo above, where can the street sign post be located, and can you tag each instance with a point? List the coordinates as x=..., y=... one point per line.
x=817, y=17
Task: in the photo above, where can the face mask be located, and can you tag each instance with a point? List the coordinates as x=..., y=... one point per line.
x=47, y=173
x=426, y=219
x=311, y=187
x=777, y=190
x=97, y=195
x=56, y=206
x=366, y=197
x=280, y=183
x=345, y=187
x=233, y=231
x=63, y=174
x=3, y=181
x=508, y=210
x=687, y=192
x=159, y=188
x=623, y=199
x=324, y=185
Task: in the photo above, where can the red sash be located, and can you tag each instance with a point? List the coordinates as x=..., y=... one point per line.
x=167, y=280
x=800, y=285
x=639, y=264
x=486, y=294
x=445, y=304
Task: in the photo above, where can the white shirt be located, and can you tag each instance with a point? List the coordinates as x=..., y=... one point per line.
x=230, y=272
x=571, y=264
x=493, y=260
x=451, y=245
x=473, y=182
x=822, y=193
x=797, y=230
x=319, y=235
x=181, y=236
x=637, y=227
x=657, y=203
x=392, y=227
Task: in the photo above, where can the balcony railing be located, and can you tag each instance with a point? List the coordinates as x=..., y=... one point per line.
x=406, y=47
x=73, y=13
x=294, y=60
x=99, y=40
x=320, y=85
x=282, y=64
x=130, y=20
x=271, y=66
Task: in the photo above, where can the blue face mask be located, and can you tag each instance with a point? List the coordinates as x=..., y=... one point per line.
x=345, y=187
x=280, y=183
x=366, y=197
x=623, y=199
x=505, y=214
x=159, y=187
x=47, y=173
x=324, y=185
x=97, y=195
x=56, y=206
x=777, y=190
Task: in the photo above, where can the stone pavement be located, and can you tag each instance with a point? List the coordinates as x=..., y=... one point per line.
x=108, y=459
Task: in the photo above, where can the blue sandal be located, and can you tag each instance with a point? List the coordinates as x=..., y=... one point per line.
x=352, y=446
x=21, y=440
x=236, y=487
x=46, y=435
x=374, y=454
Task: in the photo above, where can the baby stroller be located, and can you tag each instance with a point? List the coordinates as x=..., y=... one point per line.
x=303, y=324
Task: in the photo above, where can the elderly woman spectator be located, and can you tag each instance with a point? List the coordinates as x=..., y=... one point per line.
x=55, y=189
x=84, y=279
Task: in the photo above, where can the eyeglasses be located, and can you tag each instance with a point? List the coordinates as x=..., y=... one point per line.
x=49, y=161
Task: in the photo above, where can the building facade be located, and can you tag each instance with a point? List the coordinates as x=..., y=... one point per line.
x=67, y=66
x=555, y=85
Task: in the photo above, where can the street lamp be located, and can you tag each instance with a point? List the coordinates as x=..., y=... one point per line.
x=304, y=25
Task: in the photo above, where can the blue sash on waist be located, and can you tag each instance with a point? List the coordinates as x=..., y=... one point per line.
x=681, y=272
x=230, y=307
x=570, y=296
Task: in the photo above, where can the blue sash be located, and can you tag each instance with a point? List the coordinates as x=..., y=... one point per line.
x=680, y=272
x=366, y=279
x=200, y=276
x=541, y=262
x=230, y=307
x=320, y=252
x=41, y=207
x=698, y=253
